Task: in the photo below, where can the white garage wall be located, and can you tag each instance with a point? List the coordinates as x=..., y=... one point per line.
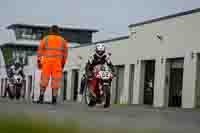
x=180, y=39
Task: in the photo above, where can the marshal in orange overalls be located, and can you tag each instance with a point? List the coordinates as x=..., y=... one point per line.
x=52, y=53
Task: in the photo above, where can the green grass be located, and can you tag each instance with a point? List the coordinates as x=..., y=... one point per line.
x=39, y=124
x=42, y=124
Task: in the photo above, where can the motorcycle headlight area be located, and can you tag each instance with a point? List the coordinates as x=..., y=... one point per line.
x=105, y=74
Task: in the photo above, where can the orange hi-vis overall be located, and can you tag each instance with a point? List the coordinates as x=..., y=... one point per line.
x=52, y=53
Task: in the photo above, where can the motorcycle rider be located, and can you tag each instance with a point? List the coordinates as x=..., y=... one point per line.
x=99, y=57
x=15, y=68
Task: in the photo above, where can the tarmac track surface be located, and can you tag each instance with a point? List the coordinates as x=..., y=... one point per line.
x=166, y=120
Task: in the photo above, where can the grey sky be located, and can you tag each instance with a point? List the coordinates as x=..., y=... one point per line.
x=111, y=17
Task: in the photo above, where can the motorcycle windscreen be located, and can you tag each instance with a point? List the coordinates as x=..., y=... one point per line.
x=36, y=88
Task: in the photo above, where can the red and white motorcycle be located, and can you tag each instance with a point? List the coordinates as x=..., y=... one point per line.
x=103, y=76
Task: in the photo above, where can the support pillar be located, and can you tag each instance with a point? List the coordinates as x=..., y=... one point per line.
x=69, y=85
x=138, y=91
x=160, y=88
x=27, y=91
x=79, y=86
x=125, y=92
x=189, y=81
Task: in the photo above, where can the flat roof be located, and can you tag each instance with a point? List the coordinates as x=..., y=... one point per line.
x=14, y=45
x=48, y=26
x=112, y=39
x=166, y=17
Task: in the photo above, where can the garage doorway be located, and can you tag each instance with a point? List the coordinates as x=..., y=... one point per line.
x=175, y=81
x=2, y=87
x=64, y=94
x=23, y=89
x=5, y=90
x=75, y=81
x=30, y=83
x=198, y=82
x=131, y=83
x=149, y=76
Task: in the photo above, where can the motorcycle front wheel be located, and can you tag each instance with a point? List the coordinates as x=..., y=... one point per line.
x=107, y=96
x=18, y=92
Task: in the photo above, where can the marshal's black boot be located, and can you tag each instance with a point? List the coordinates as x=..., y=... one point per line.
x=54, y=100
x=41, y=99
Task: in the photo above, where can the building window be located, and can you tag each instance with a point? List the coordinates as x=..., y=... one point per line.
x=27, y=34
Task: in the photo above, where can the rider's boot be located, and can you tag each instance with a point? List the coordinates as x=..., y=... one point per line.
x=41, y=99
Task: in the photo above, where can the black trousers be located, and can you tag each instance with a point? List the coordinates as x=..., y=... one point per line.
x=83, y=83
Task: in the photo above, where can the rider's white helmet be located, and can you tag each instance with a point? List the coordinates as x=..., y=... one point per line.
x=100, y=49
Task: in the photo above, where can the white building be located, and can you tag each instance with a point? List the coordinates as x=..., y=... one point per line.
x=158, y=63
